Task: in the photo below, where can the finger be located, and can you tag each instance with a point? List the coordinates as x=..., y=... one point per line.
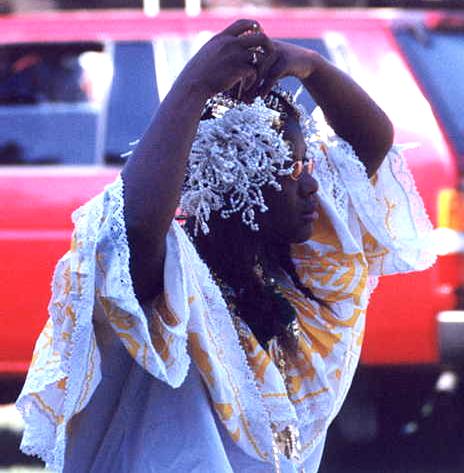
x=246, y=58
x=253, y=89
x=266, y=86
x=244, y=64
x=270, y=73
x=268, y=83
x=238, y=89
x=256, y=40
x=241, y=26
x=249, y=81
x=267, y=64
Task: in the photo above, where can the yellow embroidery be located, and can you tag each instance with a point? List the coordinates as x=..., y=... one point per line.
x=322, y=341
x=243, y=419
x=235, y=435
x=131, y=344
x=331, y=319
x=225, y=410
x=374, y=252
x=268, y=395
x=61, y=384
x=89, y=375
x=303, y=364
x=157, y=338
x=311, y=394
x=67, y=281
x=323, y=232
x=122, y=320
x=58, y=419
x=259, y=363
x=162, y=306
x=201, y=358
x=390, y=207
x=69, y=311
x=250, y=343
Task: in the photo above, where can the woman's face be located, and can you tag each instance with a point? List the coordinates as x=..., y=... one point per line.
x=293, y=210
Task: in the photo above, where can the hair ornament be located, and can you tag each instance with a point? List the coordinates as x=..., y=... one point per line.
x=238, y=149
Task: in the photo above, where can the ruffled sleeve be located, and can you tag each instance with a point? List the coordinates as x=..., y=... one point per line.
x=366, y=228
x=65, y=368
x=381, y=219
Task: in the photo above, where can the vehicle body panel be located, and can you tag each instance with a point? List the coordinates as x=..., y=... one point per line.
x=35, y=224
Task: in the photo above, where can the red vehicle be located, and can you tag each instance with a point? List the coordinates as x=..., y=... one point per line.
x=97, y=77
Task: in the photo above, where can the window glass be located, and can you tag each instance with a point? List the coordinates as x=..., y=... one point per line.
x=133, y=97
x=437, y=60
x=84, y=103
x=51, y=99
x=293, y=84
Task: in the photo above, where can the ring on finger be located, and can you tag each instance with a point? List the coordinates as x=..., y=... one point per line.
x=254, y=58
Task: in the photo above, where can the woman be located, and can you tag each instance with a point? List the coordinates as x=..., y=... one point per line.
x=232, y=350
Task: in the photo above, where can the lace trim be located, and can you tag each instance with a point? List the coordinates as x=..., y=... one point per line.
x=173, y=373
x=318, y=136
x=119, y=235
x=280, y=411
x=407, y=252
x=312, y=416
x=232, y=351
x=405, y=178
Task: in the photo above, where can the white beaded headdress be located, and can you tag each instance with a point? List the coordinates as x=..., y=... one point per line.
x=235, y=153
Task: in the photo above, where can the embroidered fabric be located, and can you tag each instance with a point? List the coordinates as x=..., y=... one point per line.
x=230, y=355
x=325, y=171
x=388, y=206
x=121, y=295
x=48, y=398
x=390, y=236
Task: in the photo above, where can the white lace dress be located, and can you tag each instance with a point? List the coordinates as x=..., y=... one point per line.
x=116, y=387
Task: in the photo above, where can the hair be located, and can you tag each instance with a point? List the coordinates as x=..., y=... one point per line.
x=231, y=251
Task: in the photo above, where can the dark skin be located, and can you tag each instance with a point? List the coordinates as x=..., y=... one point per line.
x=291, y=215
x=154, y=174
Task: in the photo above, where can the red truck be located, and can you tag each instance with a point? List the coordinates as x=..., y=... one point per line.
x=77, y=88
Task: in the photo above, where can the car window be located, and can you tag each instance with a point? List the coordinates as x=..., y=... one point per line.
x=51, y=100
x=82, y=104
x=133, y=97
x=437, y=60
x=293, y=84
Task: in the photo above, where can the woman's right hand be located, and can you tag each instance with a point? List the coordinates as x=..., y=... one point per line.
x=228, y=58
x=154, y=174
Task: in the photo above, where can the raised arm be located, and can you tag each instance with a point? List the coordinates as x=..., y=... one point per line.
x=154, y=174
x=347, y=107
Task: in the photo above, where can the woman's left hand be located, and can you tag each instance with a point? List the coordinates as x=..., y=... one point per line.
x=285, y=60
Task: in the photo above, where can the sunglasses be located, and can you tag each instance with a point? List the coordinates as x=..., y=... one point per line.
x=299, y=166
